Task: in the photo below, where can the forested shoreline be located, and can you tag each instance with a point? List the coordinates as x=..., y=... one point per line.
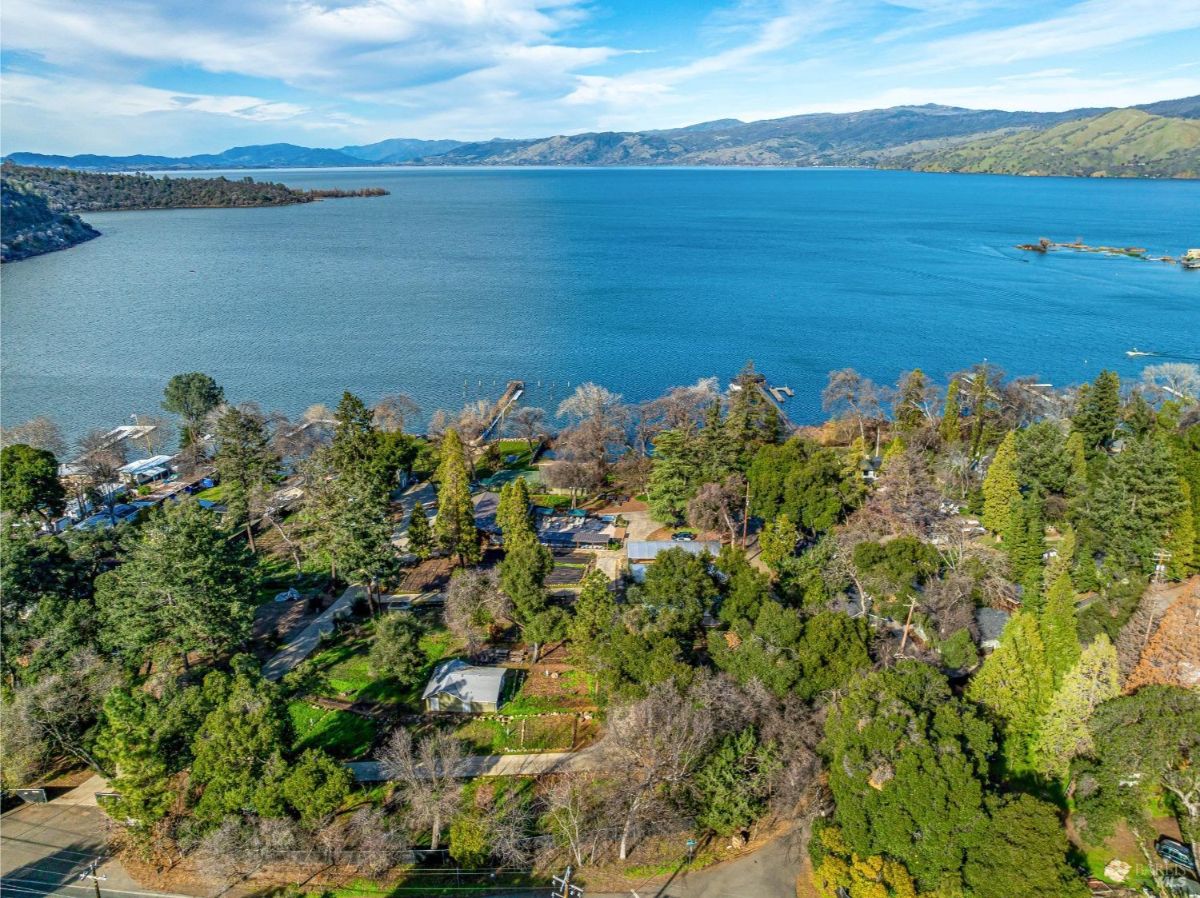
x=835, y=667
x=41, y=204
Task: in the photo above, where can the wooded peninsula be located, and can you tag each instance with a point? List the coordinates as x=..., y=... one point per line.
x=41, y=205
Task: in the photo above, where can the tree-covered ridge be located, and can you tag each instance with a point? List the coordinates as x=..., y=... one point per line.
x=1124, y=143
x=30, y=227
x=75, y=191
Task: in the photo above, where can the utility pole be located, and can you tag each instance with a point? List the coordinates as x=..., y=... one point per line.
x=1161, y=557
x=567, y=890
x=95, y=877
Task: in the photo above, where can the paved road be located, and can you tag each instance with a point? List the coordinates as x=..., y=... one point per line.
x=307, y=640
x=500, y=765
x=769, y=872
x=44, y=848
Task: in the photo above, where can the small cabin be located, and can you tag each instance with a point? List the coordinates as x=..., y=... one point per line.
x=459, y=687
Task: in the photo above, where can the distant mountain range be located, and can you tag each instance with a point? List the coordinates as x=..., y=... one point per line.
x=1153, y=140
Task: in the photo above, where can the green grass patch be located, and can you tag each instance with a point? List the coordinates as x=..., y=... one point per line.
x=549, y=500
x=342, y=734
x=212, y=494
x=493, y=736
x=342, y=669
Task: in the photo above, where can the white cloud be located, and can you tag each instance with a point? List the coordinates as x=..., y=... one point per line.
x=1091, y=25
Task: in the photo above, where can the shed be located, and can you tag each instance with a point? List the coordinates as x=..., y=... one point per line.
x=648, y=550
x=464, y=688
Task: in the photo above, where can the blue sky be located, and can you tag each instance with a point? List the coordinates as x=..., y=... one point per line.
x=180, y=76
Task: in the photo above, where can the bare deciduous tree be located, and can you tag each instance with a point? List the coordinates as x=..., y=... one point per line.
x=391, y=412
x=428, y=772
x=850, y=394
x=599, y=419
x=378, y=845
x=680, y=408
x=1177, y=380
x=474, y=603
x=40, y=433
x=574, y=806
x=719, y=506
x=655, y=743
x=527, y=423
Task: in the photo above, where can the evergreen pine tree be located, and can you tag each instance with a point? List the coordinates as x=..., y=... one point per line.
x=1001, y=492
x=355, y=442
x=455, y=531
x=716, y=449
x=910, y=401
x=513, y=512
x=1077, y=458
x=672, y=480
x=1064, y=733
x=1097, y=411
x=1059, y=628
x=1015, y=684
x=950, y=428
x=1181, y=542
x=420, y=534
x=1025, y=540
x=523, y=575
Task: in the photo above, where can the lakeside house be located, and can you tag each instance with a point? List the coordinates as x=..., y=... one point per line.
x=643, y=553
x=463, y=688
x=146, y=470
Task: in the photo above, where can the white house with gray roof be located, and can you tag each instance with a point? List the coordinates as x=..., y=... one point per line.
x=462, y=687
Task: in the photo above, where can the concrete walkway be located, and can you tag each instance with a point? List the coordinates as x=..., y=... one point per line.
x=306, y=642
x=500, y=765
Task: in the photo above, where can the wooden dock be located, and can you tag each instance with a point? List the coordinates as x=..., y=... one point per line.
x=513, y=392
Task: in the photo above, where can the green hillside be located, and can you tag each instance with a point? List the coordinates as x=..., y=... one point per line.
x=1125, y=143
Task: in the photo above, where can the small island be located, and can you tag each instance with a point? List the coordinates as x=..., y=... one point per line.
x=1189, y=260
x=41, y=205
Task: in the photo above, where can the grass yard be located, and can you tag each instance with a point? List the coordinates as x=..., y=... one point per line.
x=549, y=500
x=212, y=494
x=344, y=735
x=342, y=669
x=493, y=735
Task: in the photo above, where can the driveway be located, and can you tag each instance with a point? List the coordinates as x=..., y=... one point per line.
x=307, y=640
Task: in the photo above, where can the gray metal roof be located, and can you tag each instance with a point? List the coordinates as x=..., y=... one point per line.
x=465, y=682
x=651, y=548
x=991, y=623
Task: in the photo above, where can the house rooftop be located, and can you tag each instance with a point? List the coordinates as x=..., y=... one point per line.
x=469, y=684
x=650, y=549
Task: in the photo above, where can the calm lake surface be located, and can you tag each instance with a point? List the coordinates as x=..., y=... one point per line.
x=636, y=279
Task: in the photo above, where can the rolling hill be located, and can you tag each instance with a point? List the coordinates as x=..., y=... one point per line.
x=1154, y=140
x=1124, y=143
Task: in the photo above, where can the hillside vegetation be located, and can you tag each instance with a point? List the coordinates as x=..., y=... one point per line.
x=38, y=201
x=1123, y=143
x=30, y=227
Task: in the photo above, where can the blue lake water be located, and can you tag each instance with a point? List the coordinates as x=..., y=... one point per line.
x=636, y=279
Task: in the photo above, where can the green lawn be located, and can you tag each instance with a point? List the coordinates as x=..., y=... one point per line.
x=342, y=668
x=212, y=494
x=549, y=500
x=342, y=734
x=490, y=735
